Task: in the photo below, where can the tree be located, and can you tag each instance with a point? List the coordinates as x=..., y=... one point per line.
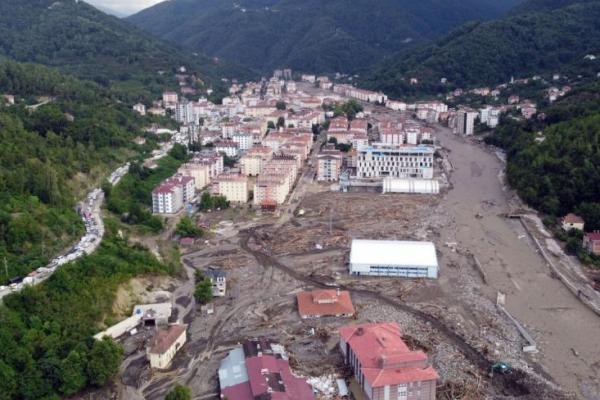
x=280, y=122
x=271, y=125
x=178, y=152
x=186, y=228
x=8, y=381
x=179, y=392
x=104, y=361
x=203, y=292
x=281, y=105
x=73, y=373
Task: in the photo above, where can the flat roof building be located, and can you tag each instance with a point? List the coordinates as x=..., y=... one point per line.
x=405, y=259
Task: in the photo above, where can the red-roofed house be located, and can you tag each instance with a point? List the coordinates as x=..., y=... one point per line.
x=164, y=345
x=323, y=303
x=384, y=366
x=572, y=221
x=591, y=242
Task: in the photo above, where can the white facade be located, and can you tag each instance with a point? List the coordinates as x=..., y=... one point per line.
x=393, y=258
x=423, y=186
x=382, y=160
x=244, y=140
x=167, y=201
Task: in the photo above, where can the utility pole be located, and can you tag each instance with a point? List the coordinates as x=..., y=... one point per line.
x=330, y=221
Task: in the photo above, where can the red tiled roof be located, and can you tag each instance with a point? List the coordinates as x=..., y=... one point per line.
x=593, y=236
x=324, y=303
x=572, y=219
x=270, y=374
x=384, y=357
x=165, y=338
x=240, y=391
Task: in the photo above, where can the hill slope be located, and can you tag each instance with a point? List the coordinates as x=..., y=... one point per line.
x=309, y=35
x=555, y=40
x=79, y=39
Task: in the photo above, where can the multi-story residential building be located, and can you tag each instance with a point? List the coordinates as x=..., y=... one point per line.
x=338, y=124
x=396, y=105
x=244, y=140
x=167, y=198
x=381, y=160
x=171, y=195
x=391, y=135
x=228, y=147
x=184, y=112
x=252, y=162
x=271, y=190
x=203, y=167
x=329, y=164
x=384, y=367
x=233, y=187
x=465, y=121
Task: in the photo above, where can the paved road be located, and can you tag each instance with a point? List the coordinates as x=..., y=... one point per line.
x=568, y=333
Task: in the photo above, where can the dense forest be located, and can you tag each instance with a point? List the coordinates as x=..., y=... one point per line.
x=50, y=155
x=309, y=35
x=46, y=345
x=78, y=39
x=488, y=53
x=555, y=164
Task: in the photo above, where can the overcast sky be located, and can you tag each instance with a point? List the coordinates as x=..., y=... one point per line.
x=124, y=7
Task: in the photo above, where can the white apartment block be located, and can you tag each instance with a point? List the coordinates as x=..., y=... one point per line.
x=170, y=99
x=381, y=160
x=251, y=163
x=167, y=199
x=244, y=140
x=228, y=147
x=233, y=187
x=184, y=113
x=140, y=108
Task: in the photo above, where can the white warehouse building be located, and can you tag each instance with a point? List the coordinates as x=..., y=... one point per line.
x=393, y=258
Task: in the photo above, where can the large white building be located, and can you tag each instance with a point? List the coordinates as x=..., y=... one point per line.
x=393, y=258
x=381, y=160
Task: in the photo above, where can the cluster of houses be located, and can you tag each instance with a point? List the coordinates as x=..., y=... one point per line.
x=591, y=240
x=382, y=365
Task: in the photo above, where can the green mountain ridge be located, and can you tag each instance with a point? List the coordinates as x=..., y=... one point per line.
x=309, y=35
x=521, y=45
x=78, y=39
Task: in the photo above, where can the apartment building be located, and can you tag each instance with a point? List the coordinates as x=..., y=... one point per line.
x=465, y=121
x=252, y=162
x=233, y=187
x=203, y=167
x=381, y=160
x=171, y=195
x=329, y=164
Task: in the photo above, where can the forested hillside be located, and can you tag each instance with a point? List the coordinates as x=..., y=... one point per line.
x=489, y=53
x=46, y=345
x=309, y=35
x=50, y=154
x=555, y=164
x=77, y=38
